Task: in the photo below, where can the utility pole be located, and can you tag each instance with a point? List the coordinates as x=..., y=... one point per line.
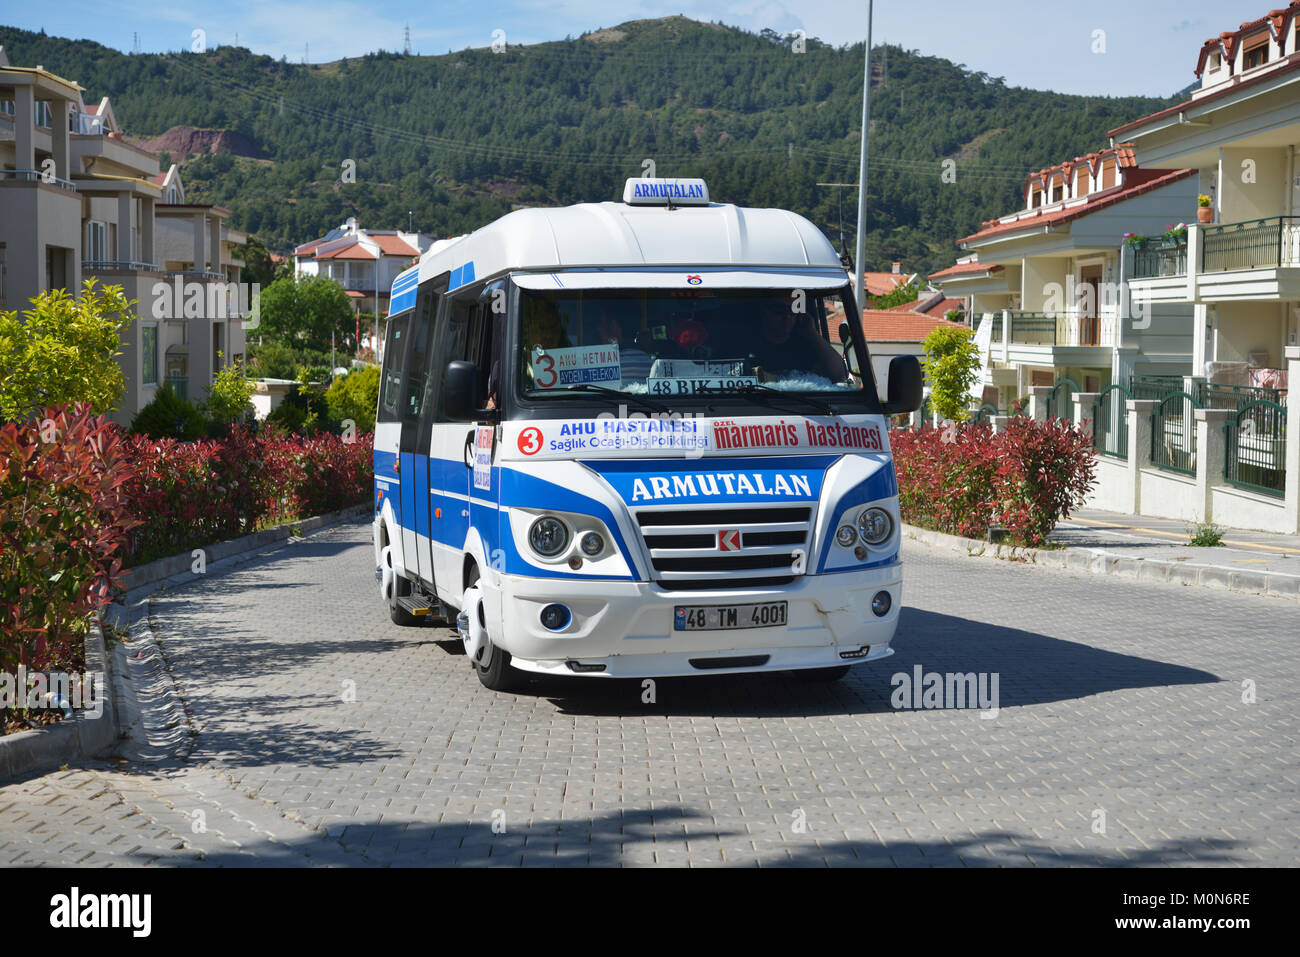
x=859, y=245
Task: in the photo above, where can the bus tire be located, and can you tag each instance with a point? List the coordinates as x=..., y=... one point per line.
x=496, y=674
x=396, y=612
x=834, y=673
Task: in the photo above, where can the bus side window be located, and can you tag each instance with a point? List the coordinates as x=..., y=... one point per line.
x=394, y=362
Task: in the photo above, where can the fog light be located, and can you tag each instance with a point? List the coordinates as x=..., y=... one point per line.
x=880, y=605
x=846, y=536
x=592, y=544
x=555, y=617
x=575, y=562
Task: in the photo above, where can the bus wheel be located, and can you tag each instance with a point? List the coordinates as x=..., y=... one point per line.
x=490, y=663
x=822, y=674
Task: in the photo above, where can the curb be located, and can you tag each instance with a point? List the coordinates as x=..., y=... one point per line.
x=162, y=568
x=72, y=738
x=1098, y=561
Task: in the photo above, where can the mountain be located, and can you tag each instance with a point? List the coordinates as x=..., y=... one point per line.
x=456, y=140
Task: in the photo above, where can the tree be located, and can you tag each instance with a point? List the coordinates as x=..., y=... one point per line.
x=903, y=292
x=951, y=364
x=303, y=312
x=65, y=351
x=228, y=398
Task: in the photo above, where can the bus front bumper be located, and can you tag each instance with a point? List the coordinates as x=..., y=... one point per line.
x=626, y=629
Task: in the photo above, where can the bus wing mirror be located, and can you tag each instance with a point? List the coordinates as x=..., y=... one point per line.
x=459, y=389
x=906, y=385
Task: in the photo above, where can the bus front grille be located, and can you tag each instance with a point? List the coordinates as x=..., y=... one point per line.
x=743, y=547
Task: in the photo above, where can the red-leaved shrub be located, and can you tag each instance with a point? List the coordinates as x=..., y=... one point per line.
x=64, y=518
x=961, y=479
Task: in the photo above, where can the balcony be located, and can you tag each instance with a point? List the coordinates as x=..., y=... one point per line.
x=118, y=265
x=1070, y=329
x=1272, y=243
x=36, y=176
x=1157, y=258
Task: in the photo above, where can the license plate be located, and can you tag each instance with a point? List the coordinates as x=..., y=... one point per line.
x=725, y=617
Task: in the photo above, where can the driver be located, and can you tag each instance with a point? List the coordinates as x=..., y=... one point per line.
x=786, y=343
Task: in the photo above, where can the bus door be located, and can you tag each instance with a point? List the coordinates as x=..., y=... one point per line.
x=413, y=455
x=388, y=421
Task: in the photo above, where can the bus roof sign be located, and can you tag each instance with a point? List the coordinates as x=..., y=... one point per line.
x=662, y=192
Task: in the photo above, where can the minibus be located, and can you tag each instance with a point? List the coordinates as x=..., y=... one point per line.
x=639, y=439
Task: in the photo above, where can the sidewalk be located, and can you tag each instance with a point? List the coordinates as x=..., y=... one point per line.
x=1165, y=540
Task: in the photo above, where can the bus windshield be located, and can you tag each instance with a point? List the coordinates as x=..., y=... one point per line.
x=677, y=342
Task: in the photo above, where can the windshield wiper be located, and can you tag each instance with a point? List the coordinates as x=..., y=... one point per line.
x=629, y=397
x=756, y=390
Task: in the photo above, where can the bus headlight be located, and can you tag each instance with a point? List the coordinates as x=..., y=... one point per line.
x=548, y=536
x=875, y=526
x=846, y=535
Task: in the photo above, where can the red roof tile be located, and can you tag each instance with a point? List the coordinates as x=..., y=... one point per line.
x=885, y=325
x=393, y=246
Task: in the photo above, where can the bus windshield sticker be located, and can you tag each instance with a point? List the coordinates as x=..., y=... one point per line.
x=577, y=365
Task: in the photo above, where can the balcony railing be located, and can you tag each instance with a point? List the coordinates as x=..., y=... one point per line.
x=1061, y=329
x=38, y=176
x=1160, y=258
x=1254, y=244
x=118, y=265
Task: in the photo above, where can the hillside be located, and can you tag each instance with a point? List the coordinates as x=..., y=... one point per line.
x=461, y=138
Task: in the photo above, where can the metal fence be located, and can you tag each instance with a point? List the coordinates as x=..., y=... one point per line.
x=1110, y=422
x=1237, y=397
x=1160, y=258
x=1255, y=448
x=1154, y=386
x=1060, y=400
x=1033, y=328
x=1254, y=244
x=1173, y=433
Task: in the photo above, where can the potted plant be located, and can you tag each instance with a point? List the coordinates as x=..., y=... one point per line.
x=1204, y=212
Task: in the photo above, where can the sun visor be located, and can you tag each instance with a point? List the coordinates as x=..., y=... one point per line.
x=683, y=279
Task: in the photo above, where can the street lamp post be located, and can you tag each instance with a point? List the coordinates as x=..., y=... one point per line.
x=859, y=245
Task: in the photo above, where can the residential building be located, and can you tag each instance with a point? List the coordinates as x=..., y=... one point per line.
x=363, y=261
x=1239, y=272
x=1240, y=132
x=77, y=201
x=1045, y=284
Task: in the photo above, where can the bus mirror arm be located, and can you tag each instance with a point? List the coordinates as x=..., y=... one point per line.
x=906, y=385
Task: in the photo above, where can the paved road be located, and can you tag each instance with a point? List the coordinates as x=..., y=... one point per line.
x=1122, y=738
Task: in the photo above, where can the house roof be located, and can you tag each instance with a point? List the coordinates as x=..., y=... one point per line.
x=887, y=325
x=1275, y=21
x=966, y=269
x=880, y=283
x=1154, y=179
x=391, y=245
x=349, y=248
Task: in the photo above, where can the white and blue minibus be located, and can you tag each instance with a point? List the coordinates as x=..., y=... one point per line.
x=639, y=439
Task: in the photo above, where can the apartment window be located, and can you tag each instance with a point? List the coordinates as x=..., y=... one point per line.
x=43, y=113
x=1056, y=191
x=1216, y=61
x=1256, y=52
x=149, y=353
x=96, y=241
x=1035, y=196
x=1083, y=184
x=7, y=107
x=173, y=195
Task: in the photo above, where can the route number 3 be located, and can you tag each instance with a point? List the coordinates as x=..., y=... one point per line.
x=544, y=365
x=530, y=441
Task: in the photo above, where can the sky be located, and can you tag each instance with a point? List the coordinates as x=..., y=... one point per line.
x=1117, y=47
